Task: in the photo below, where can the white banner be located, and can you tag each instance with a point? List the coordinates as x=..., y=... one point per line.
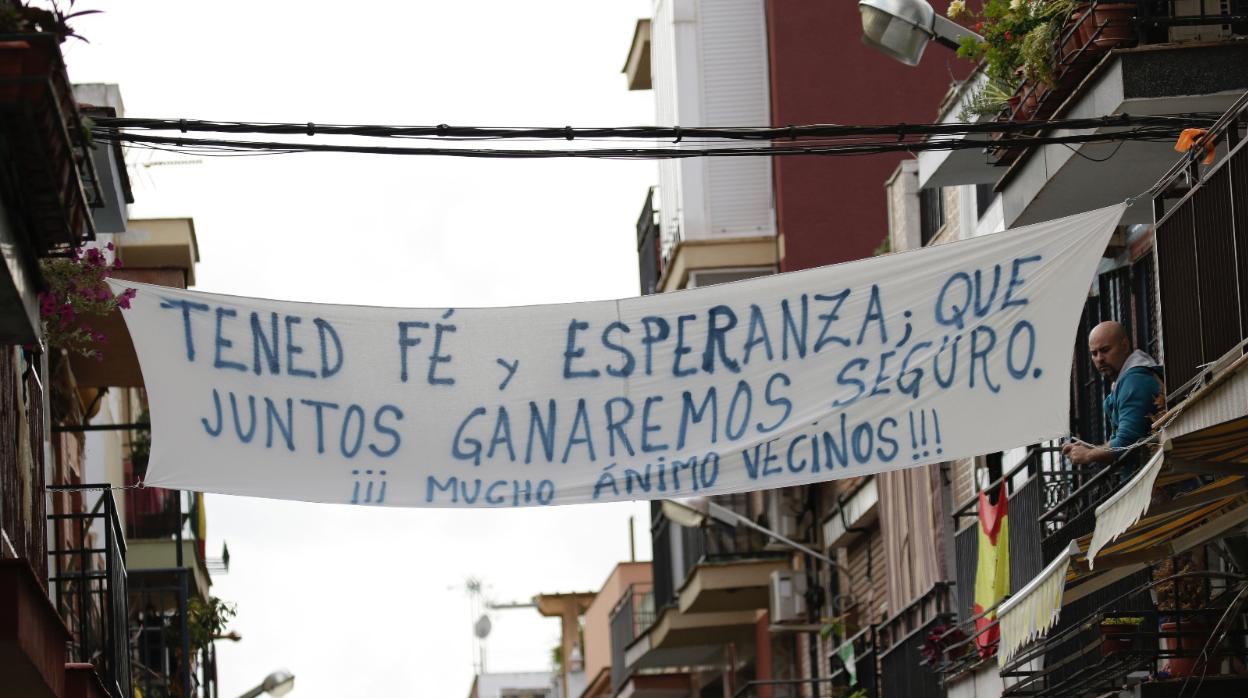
x=840, y=371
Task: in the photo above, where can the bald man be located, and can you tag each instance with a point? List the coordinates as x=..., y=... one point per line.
x=1134, y=397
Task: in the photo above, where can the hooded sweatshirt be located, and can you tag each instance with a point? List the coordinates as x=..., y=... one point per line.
x=1133, y=399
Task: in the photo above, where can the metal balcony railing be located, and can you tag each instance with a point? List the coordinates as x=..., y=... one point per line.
x=1190, y=624
x=90, y=583
x=21, y=515
x=1202, y=257
x=633, y=615
x=174, y=657
x=900, y=639
x=649, y=246
x=1092, y=30
x=865, y=660
x=678, y=550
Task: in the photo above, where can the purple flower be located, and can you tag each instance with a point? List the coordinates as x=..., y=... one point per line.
x=123, y=301
x=109, y=246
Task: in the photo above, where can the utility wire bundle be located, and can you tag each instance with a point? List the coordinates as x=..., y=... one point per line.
x=640, y=142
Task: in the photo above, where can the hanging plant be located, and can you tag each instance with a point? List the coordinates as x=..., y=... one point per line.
x=75, y=291
x=1017, y=42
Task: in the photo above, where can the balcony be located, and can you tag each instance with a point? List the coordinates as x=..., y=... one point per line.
x=1202, y=253
x=864, y=674
x=164, y=533
x=1170, y=627
x=709, y=586
x=49, y=178
x=714, y=569
x=631, y=618
x=1167, y=58
x=173, y=654
x=900, y=639
x=90, y=584
x=21, y=458
x=649, y=246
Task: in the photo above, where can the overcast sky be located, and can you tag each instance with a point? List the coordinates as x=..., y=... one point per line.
x=363, y=601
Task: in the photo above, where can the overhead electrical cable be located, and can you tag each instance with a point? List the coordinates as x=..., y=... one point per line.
x=856, y=146
x=676, y=134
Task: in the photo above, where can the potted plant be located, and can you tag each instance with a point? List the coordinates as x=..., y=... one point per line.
x=74, y=293
x=1113, y=20
x=1178, y=594
x=1118, y=634
x=1018, y=45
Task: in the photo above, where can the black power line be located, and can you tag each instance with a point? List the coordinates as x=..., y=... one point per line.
x=676, y=134
x=822, y=147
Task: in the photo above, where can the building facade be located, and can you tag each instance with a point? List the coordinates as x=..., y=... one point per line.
x=104, y=589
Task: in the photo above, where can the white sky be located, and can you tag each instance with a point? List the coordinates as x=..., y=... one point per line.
x=362, y=601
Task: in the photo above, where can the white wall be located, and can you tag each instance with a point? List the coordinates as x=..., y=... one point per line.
x=709, y=63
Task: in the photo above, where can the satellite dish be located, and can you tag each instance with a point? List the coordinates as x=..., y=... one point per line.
x=482, y=627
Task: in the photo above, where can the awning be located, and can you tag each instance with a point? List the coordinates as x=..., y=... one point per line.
x=1170, y=528
x=1035, y=609
x=1125, y=507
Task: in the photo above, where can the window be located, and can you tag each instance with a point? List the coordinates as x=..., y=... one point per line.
x=983, y=198
x=931, y=213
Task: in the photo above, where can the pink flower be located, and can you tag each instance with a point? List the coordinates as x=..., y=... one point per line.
x=109, y=247
x=123, y=301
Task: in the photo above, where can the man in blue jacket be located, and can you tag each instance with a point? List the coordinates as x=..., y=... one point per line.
x=1134, y=398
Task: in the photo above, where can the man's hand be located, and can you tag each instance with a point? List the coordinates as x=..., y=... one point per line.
x=1082, y=454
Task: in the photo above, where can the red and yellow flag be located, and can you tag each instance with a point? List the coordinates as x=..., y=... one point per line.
x=992, y=574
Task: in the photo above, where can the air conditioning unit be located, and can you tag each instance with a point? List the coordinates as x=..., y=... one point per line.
x=788, y=597
x=1200, y=32
x=780, y=518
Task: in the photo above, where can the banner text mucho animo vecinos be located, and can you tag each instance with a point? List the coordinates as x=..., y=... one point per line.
x=840, y=371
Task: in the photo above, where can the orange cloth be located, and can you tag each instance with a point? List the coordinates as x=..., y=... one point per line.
x=1196, y=138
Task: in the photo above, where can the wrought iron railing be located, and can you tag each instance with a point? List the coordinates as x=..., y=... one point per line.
x=633, y=615
x=173, y=658
x=89, y=557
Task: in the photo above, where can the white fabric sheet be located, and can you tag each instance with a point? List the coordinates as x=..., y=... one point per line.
x=840, y=371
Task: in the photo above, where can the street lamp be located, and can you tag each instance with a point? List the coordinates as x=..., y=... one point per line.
x=279, y=683
x=695, y=512
x=902, y=28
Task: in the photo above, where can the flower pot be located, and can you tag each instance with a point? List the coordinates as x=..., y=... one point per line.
x=21, y=63
x=1114, y=22
x=1030, y=102
x=1071, y=38
x=1191, y=642
x=1117, y=638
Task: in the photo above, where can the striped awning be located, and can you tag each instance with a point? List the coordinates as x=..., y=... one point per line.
x=1122, y=510
x=1035, y=609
